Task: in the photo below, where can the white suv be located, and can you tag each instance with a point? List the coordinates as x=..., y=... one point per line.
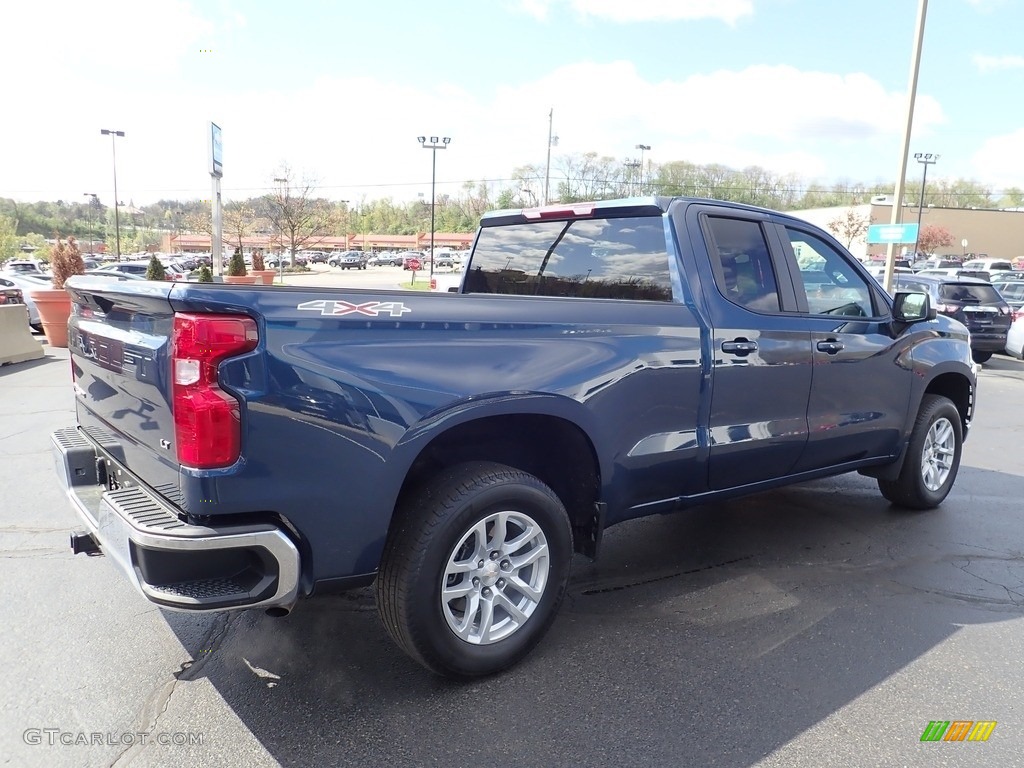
x=988, y=265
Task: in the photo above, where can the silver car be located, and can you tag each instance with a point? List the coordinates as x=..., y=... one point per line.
x=27, y=283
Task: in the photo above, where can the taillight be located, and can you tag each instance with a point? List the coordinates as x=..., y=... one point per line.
x=207, y=420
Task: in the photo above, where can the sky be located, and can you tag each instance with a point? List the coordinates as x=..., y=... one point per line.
x=339, y=91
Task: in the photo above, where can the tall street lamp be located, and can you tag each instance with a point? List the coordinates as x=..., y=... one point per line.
x=94, y=203
x=642, y=148
x=113, y=149
x=925, y=160
x=433, y=146
x=282, y=197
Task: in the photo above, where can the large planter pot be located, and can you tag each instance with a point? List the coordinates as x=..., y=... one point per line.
x=247, y=279
x=54, y=305
x=266, y=275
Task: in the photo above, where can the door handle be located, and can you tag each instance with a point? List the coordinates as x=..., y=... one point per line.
x=831, y=346
x=739, y=347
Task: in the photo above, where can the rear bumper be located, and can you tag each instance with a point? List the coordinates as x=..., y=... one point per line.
x=988, y=341
x=174, y=564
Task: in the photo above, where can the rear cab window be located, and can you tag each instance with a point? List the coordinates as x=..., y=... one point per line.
x=601, y=258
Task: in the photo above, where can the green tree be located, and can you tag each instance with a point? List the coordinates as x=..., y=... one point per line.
x=10, y=244
x=155, y=270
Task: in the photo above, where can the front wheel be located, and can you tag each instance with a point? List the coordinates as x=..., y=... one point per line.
x=933, y=457
x=474, y=569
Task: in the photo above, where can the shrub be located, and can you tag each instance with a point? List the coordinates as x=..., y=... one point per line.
x=205, y=274
x=155, y=270
x=236, y=267
x=257, y=261
x=65, y=261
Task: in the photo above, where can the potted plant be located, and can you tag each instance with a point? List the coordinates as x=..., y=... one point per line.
x=259, y=267
x=54, y=304
x=205, y=274
x=236, y=270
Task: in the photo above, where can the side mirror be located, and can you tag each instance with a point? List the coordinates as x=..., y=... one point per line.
x=912, y=307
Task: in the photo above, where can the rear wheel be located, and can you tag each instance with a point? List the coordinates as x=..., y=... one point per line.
x=933, y=457
x=981, y=357
x=474, y=570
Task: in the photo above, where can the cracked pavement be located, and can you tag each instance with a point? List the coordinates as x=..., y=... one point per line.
x=812, y=626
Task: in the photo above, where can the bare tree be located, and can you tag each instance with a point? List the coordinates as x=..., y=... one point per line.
x=849, y=226
x=239, y=220
x=302, y=218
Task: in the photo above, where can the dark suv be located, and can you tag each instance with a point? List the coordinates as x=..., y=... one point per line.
x=974, y=303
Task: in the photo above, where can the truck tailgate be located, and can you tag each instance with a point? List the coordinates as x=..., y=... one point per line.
x=119, y=340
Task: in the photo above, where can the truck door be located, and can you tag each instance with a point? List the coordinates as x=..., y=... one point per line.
x=861, y=382
x=761, y=361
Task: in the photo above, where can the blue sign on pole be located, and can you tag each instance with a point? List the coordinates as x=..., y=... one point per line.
x=892, y=233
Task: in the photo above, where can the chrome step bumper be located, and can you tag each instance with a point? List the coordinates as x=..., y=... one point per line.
x=172, y=563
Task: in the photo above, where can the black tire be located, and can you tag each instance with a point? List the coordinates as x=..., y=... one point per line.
x=428, y=544
x=910, y=489
x=981, y=357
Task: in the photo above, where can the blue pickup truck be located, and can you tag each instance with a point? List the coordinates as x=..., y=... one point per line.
x=245, y=446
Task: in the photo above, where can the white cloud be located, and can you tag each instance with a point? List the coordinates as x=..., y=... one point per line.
x=729, y=11
x=986, y=63
x=1000, y=162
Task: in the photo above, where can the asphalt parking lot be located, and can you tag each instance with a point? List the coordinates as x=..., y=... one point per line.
x=812, y=626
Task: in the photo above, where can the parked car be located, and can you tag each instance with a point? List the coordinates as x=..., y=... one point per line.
x=273, y=261
x=15, y=266
x=348, y=260
x=408, y=257
x=1013, y=293
x=385, y=259
x=1015, y=338
x=444, y=259
x=27, y=282
x=10, y=293
x=115, y=275
x=1007, y=276
x=317, y=257
x=138, y=268
x=989, y=265
x=974, y=303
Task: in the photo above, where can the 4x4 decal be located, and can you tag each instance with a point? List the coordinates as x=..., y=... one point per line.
x=337, y=307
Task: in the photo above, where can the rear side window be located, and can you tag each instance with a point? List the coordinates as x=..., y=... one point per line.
x=742, y=264
x=586, y=258
x=970, y=293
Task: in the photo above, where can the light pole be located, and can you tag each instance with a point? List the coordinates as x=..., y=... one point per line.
x=635, y=165
x=94, y=203
x=433, y=146
x=113, y=150
x=642, y=147
x=925, y=160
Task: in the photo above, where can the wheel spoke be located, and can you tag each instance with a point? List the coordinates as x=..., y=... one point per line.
x=486, y=619
x=526, y=589
x=465, y=627
x=498, y=532
x=456, y=591
x=515, y=544
x=513, y=610
x=530, y=557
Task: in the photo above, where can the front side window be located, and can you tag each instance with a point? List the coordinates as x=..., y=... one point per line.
x=831, y=284
x=587, y=258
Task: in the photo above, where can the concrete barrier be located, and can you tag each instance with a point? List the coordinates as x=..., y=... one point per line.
x=16, y=342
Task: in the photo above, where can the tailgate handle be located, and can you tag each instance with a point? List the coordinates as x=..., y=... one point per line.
x=831, y=346
x=739, y=347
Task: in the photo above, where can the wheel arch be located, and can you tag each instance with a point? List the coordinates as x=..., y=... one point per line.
x=538, y=434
